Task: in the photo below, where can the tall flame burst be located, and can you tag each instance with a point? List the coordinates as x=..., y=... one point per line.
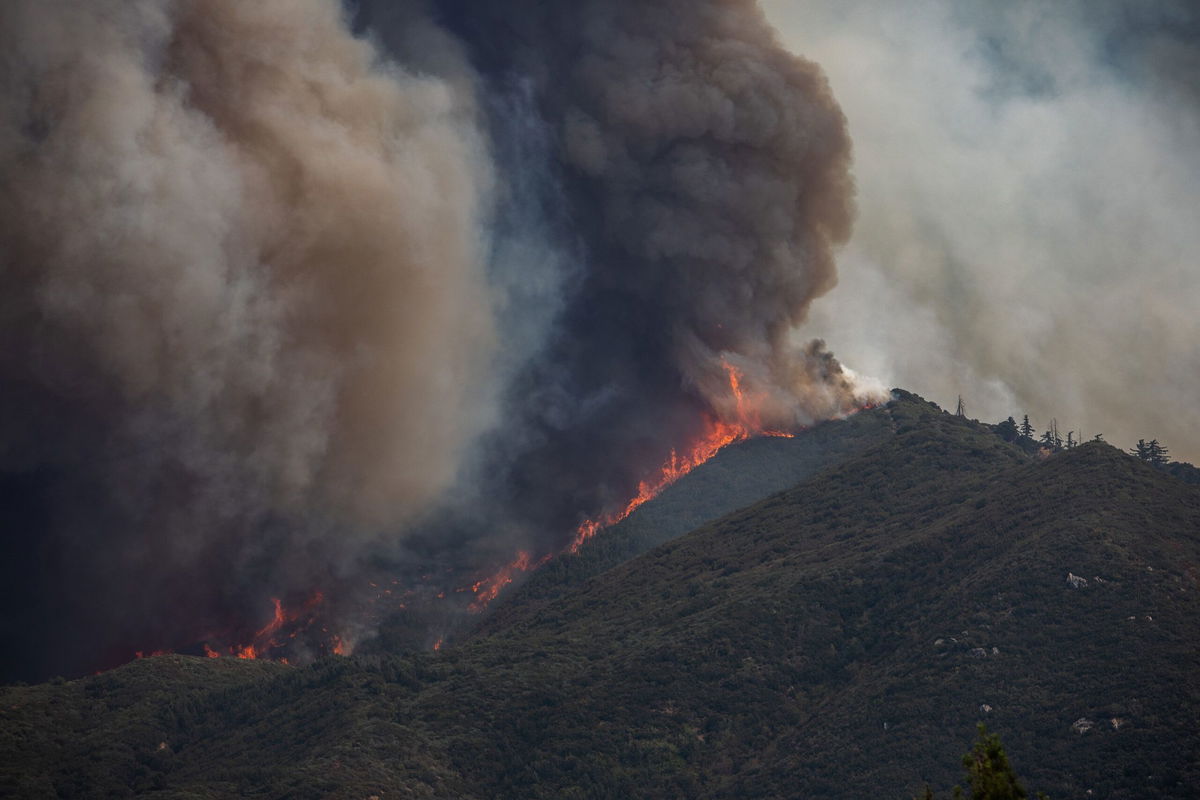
x=285, y=626
x=275, y=640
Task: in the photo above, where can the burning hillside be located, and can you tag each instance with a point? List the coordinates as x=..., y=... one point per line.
x=290, y=295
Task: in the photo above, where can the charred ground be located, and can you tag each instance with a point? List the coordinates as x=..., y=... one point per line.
x=840, y=638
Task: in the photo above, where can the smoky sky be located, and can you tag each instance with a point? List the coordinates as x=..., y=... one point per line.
x=292, y=287
x=705, y=172
x=1028, y=178
x=245, y=315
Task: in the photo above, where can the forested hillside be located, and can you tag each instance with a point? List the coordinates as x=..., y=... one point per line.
x=838, y=639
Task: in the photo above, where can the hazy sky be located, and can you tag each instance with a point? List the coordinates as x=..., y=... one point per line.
x=1028, y=177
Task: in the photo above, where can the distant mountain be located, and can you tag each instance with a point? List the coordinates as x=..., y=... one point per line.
x=839, y=639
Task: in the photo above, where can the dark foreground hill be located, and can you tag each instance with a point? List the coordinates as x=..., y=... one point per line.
x=839, y=639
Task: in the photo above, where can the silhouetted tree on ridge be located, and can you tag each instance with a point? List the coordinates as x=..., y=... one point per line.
x=1151, y=452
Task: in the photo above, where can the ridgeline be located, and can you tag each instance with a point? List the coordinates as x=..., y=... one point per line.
x=885, y=584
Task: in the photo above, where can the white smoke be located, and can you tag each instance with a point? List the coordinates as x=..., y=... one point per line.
x=1027, y=178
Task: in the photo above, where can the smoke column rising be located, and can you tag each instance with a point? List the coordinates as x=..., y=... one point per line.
x=278, y=297
x=243, y=288
x=706, y=171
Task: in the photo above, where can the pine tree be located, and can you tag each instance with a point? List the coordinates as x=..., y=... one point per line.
x=1027, y=429
x=1008, y=430
x=1156, y=454
x=1141, y=451
x=961, y=411
x=989, y=775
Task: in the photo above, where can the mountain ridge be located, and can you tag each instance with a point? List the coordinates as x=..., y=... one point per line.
x=836, y=639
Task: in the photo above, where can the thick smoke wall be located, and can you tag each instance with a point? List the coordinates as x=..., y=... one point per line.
x=287, y=288
x=706, y=171
x=245, y=316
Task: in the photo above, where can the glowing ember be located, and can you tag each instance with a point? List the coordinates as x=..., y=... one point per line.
x=140, y=654
x=487, y=589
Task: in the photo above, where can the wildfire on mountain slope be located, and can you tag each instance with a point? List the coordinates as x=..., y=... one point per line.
x=286, y=624
x=285, y=385
x=487, y=589
x=715, y=435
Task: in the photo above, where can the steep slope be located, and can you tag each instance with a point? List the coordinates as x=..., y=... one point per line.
x=800, y=637
x=839, y=639
x=738, y=476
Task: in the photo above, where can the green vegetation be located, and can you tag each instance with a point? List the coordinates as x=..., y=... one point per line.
x=839, y=639
x=989, y=775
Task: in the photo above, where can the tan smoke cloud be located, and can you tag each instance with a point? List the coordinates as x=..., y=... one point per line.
x=256, y=274
x=240, y=258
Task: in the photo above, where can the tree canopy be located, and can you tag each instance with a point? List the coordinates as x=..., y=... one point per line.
x=989, y=774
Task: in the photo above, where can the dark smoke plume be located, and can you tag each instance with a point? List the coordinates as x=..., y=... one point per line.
x=706, y=171
x=277, y=296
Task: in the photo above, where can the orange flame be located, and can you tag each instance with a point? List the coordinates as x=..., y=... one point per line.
x=264, y=638
x=716, y=435
x=285, y=624
x=487, y=589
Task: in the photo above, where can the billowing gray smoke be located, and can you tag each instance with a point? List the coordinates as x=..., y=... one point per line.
x=1028, y=174
x=706, y=175
x=273, y=292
